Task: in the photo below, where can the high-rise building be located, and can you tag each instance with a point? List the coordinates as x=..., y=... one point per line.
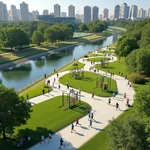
x=101, y=17
x=95, y=12
x=45, y=12
x=141, y=13
x=105, y=14
x=63, y=14
x=117, y=12
x=13, y=13
x=3, y=12
x=18, y=13
x=124, y=11
x=133, y=12
x=148, y=13
x=34, y=13
x=87, y=13
x=71, y=11
x=57, y=10
x=24, y=11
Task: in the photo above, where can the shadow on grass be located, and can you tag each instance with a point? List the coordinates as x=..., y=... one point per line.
x=35, y=135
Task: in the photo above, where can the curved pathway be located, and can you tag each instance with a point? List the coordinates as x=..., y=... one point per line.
x=102, y=112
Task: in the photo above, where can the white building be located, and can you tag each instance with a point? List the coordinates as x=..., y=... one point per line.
x=141, y=13
x=35, y=13
x=13, y=14
x=148, y=13
x=133, y=12
x=71, y=11
x=105, y=14
x=3, y=12
x=24, y=11
x=57, y=10
x=124, y=11
x=95, y=12
x=87, y=14
x=45, y=12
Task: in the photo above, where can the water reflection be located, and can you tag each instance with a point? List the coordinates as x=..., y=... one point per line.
x=17, y=73
x=23, y=75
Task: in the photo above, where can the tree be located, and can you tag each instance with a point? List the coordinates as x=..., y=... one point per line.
x=127, y=134
x=125, y=46
x=14, y=110
x=37, y=37
x=83, y=27
x=142, y=101
x=139, y=60
x=50, y=35
x=21, y=38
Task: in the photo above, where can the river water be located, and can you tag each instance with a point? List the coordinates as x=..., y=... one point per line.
x=29, y=72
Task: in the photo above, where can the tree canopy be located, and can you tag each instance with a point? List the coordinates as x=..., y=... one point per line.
x=14, y=110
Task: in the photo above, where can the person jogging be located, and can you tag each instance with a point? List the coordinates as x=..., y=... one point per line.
x=72, y=128
x=61, y=143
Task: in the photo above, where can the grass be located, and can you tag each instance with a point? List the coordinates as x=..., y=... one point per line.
x=117, y=28
x=12, y=56
x=99, y=59
x=75, y=65
x=99, y=142
x=93, y=54
x=43, y=121
x=88, y=84
x=115, y=67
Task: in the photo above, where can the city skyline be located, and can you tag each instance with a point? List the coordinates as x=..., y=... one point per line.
x=49, y=5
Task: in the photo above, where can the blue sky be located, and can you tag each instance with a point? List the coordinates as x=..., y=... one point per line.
x=79, y=4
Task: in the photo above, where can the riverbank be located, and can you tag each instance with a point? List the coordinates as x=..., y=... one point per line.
x=117, y=28
x=70, y=44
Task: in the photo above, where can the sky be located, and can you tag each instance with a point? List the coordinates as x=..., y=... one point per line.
x=40, y=5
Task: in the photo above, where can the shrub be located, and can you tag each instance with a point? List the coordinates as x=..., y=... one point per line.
x=137, y=79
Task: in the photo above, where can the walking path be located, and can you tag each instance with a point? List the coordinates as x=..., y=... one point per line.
x=102, y=112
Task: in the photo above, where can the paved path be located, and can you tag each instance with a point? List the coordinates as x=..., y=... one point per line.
x=102, y=113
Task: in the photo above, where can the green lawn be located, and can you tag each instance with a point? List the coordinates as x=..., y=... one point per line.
x=99, y=59
x=115, y=67
x=88, y=84
x=47, y=117
x=74, y=66
x=34, y=90
x=99, y=142
x=93, y=54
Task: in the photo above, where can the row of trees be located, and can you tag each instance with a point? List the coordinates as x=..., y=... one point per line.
x=135, y=45
x=13, y=37
x=94, y=27
x=132, y=132
x=52, y=34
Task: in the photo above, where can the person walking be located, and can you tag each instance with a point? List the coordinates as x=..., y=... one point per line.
x=77, y=122
x=54, y=79
x=92, y=116
x=43, y=91
x=72, y=128
x=42, y=139
x=49, y=137
x=57, y=75
x=117, y=106
x=124, y=95
x=109, y=101
x=59, y=86
x=92, y=94
x=61, y=143
x=90, y=123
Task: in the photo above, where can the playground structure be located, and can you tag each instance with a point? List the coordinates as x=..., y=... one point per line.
x=100, y=83
x=76, y=73
x=72, y=97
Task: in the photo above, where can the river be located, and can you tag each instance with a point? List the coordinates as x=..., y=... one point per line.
x=29, y=72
